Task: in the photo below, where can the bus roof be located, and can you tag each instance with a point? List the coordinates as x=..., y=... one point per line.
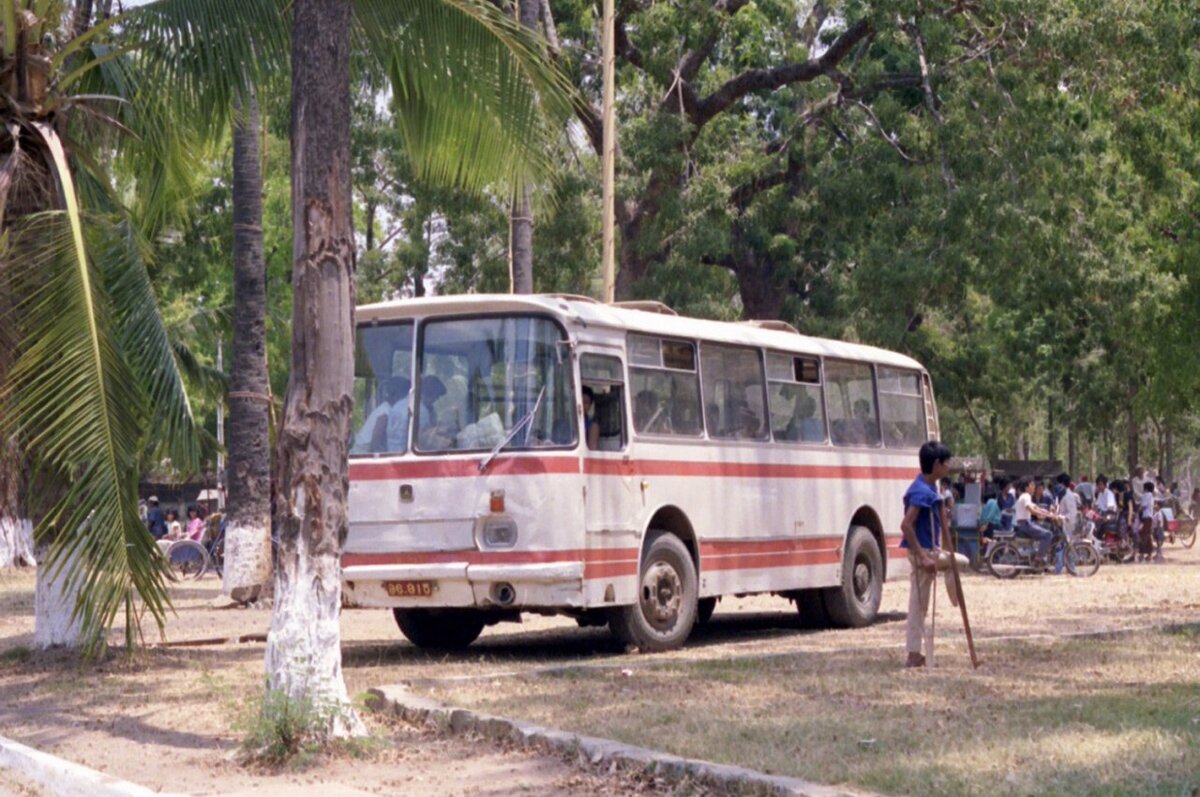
x=591, y=313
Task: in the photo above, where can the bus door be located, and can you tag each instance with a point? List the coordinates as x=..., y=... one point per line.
x=611, y=485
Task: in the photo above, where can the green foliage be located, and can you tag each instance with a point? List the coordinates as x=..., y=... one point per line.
x=281, y=732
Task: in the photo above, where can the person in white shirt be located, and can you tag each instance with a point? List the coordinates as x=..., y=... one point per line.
x=386, y=427
x=1146, y=515
x=1024, y=526
x=1106, y=502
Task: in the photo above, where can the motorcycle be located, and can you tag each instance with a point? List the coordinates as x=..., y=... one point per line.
x=1113, y=534
x=1010, y=555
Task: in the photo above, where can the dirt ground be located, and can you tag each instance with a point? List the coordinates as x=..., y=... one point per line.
x=168, y=720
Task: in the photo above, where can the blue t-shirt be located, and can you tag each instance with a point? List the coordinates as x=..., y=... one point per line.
x=929, y=521
x=990, y=513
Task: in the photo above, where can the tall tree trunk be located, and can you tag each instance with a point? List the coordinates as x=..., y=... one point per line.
x=1072, y=454
x=520, y=229
x=1168, y=469
x=55, y=623
x=303, y=657
x=16, y=532
x=1051, y=432
x=1131, y=451
x=248, y=512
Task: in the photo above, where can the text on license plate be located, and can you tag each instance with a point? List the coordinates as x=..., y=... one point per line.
x=410, y=589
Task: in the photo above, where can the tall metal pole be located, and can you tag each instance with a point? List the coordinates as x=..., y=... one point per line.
x=608, y=151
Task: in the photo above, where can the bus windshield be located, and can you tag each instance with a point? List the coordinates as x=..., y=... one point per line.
x=479, y=377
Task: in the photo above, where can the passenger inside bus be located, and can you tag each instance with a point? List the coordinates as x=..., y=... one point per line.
x=434, y=434
x=386, y=427
x=591, y=424
x=649, y=414
x=803, y=426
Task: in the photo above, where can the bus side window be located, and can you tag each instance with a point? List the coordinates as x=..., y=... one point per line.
x=664, y=386
x=733, y=390
x=794, y=394
x=853, y=413
x=606, y=378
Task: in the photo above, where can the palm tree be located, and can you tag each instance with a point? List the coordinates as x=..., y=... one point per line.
x=87, y=369
x=248, y=510
x=474, y=101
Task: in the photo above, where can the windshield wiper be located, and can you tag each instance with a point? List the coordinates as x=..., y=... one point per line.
x=526, y=420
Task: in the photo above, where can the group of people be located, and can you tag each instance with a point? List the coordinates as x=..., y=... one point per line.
x=1021, y=504
x=166, y=527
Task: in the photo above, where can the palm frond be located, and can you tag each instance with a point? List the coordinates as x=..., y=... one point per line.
x=122, y=253
x=201, y=55
x=141, y=125
x=77, y=404
x=476, y=98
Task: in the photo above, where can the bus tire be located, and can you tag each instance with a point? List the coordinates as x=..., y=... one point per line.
x=440, y=629
x=810, y=604
x=666, y=607
x=856, y=602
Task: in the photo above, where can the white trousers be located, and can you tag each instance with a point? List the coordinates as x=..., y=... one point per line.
x=920, y=581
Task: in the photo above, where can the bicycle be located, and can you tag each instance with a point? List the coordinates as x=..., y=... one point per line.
x=187, y=560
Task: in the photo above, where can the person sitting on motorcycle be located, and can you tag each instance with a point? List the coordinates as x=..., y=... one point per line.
x=1106, y=502
x=1025, y=527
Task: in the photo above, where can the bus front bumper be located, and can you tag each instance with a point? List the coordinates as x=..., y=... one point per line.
x=558, y=584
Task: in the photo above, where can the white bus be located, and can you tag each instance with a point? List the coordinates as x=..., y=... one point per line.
x=730, y=459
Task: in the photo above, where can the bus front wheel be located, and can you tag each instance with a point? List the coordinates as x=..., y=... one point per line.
x=666, y=607
x=856, y=602
x=440, y=629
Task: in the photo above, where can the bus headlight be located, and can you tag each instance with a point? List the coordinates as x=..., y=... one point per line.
x=498, y=532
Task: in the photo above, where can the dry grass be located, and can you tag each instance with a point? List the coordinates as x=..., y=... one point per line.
x=1044, y=715
x=1075, y=717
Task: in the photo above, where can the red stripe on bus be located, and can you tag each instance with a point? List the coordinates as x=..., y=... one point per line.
x=750, y=470
x=461, y=468
x=740, y=547
x=534, y=466
x=593, y=570
x=476, y=557
x=761, y=561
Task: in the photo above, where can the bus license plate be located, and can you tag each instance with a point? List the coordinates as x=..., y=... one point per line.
x=410, y=589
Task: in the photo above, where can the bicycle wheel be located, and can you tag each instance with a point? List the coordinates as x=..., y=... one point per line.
x=1187, y=533
x=1004, y=560
x=1087, y=561
x=188, y=560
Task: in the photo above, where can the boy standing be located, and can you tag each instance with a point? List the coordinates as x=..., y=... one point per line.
x=924, y=520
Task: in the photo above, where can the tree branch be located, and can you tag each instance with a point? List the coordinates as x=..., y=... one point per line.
x=757, y=79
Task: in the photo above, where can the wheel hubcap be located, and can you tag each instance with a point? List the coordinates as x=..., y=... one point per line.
x=662, y=595
x=862, y=581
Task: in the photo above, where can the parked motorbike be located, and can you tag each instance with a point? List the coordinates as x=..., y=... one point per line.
x=1009, y=555
x=1113, y=534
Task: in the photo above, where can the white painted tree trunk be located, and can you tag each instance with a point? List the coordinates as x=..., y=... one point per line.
x=304, y=644
x=247, y=560
x=16, y=542
x=53, y=610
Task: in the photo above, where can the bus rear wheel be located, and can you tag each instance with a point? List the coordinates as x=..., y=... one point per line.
x=856, y=602
x=440, y=629
x=666, y=607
